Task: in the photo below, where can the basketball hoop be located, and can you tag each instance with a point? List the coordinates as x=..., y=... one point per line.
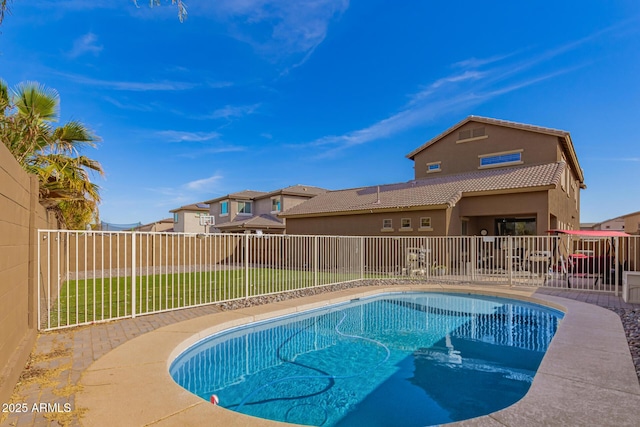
x=207, y=220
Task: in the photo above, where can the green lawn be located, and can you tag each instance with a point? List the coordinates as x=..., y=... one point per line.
x=92, y=300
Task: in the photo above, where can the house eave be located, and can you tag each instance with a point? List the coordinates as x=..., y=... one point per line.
x=368, y=211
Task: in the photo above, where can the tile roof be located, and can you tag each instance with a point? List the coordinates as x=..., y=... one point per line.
x=200, y=206
x=260, y=221
x=297, y=190
x=432, y=191
x=242, y=195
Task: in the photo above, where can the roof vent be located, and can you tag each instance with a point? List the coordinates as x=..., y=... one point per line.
x=471, y=133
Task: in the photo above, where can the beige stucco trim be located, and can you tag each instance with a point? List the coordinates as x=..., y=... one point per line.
x=509, y=191
x=501, y=165
x=477, y=138
x=368, y=211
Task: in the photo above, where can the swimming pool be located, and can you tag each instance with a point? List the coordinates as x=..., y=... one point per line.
x=394, y=359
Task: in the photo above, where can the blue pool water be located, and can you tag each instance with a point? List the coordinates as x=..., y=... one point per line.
x=402, y=359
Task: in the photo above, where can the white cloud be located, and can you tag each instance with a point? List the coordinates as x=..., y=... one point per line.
x=279, y=28
x=456, y=92
x=183, y=136
x=198, y=153
x=234, y=111
x=128, y=105
x=131, y=86
x=85, y=44
x=204, y=184
x=187, y=193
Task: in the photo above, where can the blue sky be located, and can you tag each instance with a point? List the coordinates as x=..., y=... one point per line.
x=263, y=94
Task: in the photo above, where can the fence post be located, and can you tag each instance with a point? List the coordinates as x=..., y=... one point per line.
x=616, y=272
x=509, y=259
x=133, y=274
x=474, y=257
x=361, y=258
x=316, y=260
x=246, y=266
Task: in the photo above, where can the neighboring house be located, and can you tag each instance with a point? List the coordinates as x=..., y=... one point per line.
x=613, y=224
x=480, y=177
x=257, y=211
x=186, y=219
x=629, y=223
x=165, y=225
x=632, y=223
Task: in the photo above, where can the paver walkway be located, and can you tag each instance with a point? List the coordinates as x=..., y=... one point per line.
x=59, y=359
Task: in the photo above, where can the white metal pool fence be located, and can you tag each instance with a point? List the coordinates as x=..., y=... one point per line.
x=94, y=276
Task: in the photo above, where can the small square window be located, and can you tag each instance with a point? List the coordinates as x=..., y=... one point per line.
x=387, y=223
x=405, y=223
x=275, y=205
x=244, y=208
x=433, y=167
x=425, y=222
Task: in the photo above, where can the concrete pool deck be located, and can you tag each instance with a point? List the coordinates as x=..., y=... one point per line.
x=118, y=374
x=587, y=376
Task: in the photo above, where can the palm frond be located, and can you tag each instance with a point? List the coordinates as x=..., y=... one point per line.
x=34, y=99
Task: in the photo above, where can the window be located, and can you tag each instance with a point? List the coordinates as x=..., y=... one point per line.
x=500, y=159
x=425, y=222
x=275, y=204
x=175, y=218
x=405, y=223
x=433, y=167
x=387, y=224
x=244, y=208
x=224, y=208
x=517, y=226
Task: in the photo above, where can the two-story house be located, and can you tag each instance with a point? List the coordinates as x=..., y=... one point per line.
x=186, y=219
x=257, y=211
x=480, y=177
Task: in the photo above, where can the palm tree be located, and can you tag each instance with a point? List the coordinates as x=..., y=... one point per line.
x=3, y=8
x=27, y=114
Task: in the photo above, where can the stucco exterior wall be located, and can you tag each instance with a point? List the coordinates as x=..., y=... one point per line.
x=457, y=157
x=565, y=208
x=632, y=223
x=262, y=206
x=615, y=224
x=233, y=215
x=369, y=224
x=189, y=222
x=483, y=210
x=20, y=217
x=290, y=201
